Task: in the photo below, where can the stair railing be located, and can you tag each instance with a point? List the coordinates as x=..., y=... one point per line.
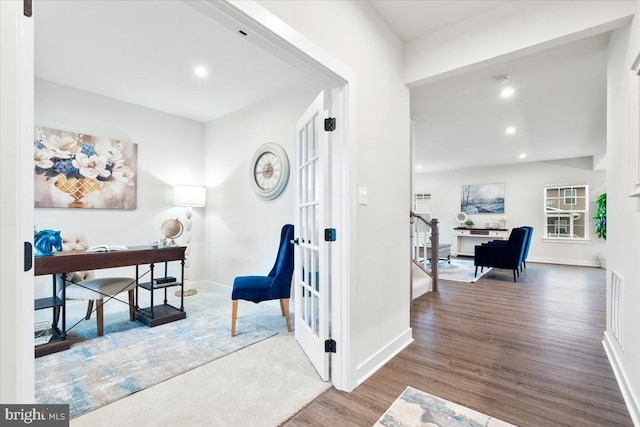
x=424, y=234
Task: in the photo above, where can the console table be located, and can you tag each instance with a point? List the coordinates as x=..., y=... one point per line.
x=468, y=238
x=69, y=261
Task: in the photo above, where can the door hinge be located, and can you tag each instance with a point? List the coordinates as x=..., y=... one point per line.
x=27, y=8
x=28, y=256
x=329, y=234
x=330, y=124
x=330, y=346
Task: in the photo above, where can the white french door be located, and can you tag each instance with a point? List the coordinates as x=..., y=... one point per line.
x=311, y=255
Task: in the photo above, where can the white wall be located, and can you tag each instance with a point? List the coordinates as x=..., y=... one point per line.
x=243, y=231
x=623, y=226
x=524, y=203
x=170, y=152
x=355, y=35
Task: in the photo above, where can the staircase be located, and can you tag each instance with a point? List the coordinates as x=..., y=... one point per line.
x=424, y=271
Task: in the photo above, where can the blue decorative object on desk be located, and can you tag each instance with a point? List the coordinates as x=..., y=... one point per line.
x=45, y=241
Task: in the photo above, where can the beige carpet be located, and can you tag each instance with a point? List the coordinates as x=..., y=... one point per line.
x=261, y=385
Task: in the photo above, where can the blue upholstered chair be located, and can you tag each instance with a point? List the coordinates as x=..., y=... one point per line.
x=508, y=256
x=527, y=244
x=276, y=285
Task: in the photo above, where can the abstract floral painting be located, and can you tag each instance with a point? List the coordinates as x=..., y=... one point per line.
x=74, y=170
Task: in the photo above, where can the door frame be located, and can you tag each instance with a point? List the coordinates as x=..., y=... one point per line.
x=16, y=194
x=275, y=36
x=278, y=38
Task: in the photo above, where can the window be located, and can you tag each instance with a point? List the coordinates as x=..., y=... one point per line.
x=422, y=205
x=567, y=212
x=569, y=196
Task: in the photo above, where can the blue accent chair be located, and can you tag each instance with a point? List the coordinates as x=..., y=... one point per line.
x=527, y=244
x=276, y=285
x=508, y=256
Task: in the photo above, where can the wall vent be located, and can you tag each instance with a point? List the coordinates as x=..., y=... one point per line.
x=617, y=307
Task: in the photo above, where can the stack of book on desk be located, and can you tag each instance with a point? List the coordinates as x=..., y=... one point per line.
x=163, y=282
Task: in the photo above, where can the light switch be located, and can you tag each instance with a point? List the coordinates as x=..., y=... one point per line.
x=362, y=195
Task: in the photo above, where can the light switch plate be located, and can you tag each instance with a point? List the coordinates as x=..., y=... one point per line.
x=362, y=196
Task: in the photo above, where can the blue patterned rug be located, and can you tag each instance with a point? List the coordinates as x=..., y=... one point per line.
x=416, y=408
x=131, y=356
x=460, y=270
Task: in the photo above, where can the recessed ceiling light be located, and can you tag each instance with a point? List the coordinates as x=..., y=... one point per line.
x=510, y=130
x=419, y=167
x=507, y=92
x=523, y=155
x=201, y=71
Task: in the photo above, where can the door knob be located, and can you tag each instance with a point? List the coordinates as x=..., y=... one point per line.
x=296, y=241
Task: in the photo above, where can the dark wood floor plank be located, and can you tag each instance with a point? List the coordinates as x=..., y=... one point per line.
x=529, y=353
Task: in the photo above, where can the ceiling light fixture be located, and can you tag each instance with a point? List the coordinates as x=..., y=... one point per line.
x=419, y=166
x=507, y=91
x=510, y=130
x=523, y=155
x=201, y=71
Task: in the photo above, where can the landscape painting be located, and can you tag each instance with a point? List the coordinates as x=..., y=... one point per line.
x=482, y=199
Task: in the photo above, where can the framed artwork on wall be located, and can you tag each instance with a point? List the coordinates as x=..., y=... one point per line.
x=482, y=199
x=74, y=170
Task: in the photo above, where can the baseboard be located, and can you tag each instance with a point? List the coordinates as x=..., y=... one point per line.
x=577, y=262
x=218, y=287
x=630, y=399
x=379, y=359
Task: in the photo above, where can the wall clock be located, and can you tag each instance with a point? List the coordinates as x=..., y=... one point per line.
x=269, y=171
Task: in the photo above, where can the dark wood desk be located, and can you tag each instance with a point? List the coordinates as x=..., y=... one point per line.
x=69, y=261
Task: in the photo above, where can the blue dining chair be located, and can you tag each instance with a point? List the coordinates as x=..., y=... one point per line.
x=276, y=285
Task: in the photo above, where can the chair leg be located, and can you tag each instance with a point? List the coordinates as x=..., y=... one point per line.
x=282, y=306
x=234, y=313
x=476, y=273
x=89, y=309
x=100, y=316
x=284, y=303
x=525, y=264
x=132, y=305
x=514, y=275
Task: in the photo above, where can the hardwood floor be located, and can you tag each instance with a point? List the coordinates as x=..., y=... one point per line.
x=529, y=353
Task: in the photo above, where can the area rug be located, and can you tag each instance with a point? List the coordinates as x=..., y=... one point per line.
x=417, y=408
x=131, y=356
x=460, y=270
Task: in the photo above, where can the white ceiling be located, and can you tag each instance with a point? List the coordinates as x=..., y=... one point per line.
x=411, y=19
x=559, y=110
x=145, y=52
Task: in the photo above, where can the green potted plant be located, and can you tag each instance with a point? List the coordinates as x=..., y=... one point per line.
x=468, y=223
x=600, y=225
x=601, y=216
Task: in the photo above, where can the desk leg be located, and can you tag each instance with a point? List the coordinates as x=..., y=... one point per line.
x=63, y=332
x=182, y=286
x=152, y=289
x=137, y=282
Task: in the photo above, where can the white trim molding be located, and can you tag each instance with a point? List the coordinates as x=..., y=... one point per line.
x=578, y=262
x=634, y=129
x=630, y=398
x=381, y=357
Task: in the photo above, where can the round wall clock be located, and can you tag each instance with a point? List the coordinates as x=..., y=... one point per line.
x=269, y=171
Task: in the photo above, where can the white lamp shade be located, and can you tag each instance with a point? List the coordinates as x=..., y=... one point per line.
x=189, y=195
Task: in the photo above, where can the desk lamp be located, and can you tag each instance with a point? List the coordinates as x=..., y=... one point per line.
x=190, y=196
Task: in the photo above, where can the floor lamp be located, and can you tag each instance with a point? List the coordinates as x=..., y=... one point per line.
x=190, y=196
